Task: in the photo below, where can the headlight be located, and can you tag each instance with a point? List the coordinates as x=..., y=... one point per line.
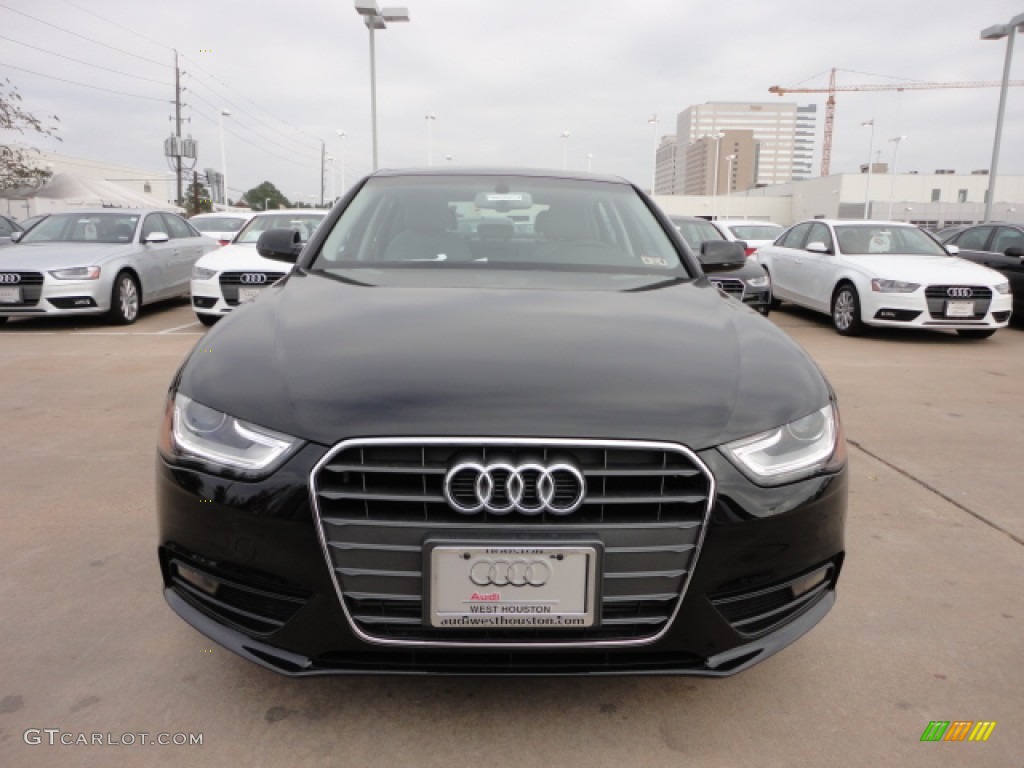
x=194, y=431
x=759, y=282
x=1003, y=288
x=792, y=451
x=893, y=286
x=202, y=273
x=77, y=273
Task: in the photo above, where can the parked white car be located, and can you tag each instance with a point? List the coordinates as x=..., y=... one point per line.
x=236, y=273
x=884, y=273
x=753, y=232
x=222, y=227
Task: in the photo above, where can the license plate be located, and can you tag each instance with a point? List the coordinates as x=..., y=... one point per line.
x=10, y=294
x=248, y=294
x=959, y=309
x=494, y=586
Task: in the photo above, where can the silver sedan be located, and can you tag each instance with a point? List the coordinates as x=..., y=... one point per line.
x=99, y=262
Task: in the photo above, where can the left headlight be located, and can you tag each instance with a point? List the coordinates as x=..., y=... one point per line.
x=893, y=286
x=193, y=431
x=76, y=273
x=1003, y=288
x=791, y=452
x=202, y=273
x=759, y=282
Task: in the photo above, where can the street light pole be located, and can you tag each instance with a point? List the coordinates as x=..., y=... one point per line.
x=341, y=154
x=728, y=186
x=892, y=183
x=590, y=157
x=375, y=19
x=223, y=161
x=714, y=189
x=871, y=148
x=998, y=32
x=653, y=121
x=565, y=150
x=266, y=204
x=431, y=117
x=330, y=171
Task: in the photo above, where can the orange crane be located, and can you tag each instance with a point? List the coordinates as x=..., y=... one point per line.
x=830, y=105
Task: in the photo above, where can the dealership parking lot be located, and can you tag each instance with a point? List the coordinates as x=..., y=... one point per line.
x=929, y=624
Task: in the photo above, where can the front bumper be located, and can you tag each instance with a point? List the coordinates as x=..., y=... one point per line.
x=60, y=297
x=272, y=598
x=913, y=310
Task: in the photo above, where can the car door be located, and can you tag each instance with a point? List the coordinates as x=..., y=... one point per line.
x=1010, y=264
x=973, y=243
x=155, y=259
x=188, y=249
x=816, y=275
x=785, y=261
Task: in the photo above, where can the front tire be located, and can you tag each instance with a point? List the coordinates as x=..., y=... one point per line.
x=208, y=320
x=846, y=311
x=124, y=300
x=970, y=333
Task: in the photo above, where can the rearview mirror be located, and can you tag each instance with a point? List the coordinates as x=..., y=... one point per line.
x=16, y=236
x=156, y=237
x=1013, y=250
x=818, y=247
x=722, y=255
x=280, y=245
x=952, y=250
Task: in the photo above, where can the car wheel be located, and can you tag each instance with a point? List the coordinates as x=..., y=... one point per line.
x=970, y=333
x=208, y=320
x=846, y=311
x=124, y=300
x=764, y=309
x=3, y=319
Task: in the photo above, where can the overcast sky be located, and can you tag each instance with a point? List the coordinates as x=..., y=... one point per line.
x=504, y=78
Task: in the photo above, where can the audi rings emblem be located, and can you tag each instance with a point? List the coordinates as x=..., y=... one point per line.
x=958, y=292
x=501, y=487
x=10, y=278
x=252, y=278
x=509, y=573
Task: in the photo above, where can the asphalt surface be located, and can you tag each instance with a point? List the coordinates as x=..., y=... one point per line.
x=929, y=624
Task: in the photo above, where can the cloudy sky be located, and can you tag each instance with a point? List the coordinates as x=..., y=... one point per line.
x=504, y=78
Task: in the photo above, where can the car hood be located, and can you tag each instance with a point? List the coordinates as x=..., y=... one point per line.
x=324, y=360
x=926, y=270
x=45, y=256
x=240, y=256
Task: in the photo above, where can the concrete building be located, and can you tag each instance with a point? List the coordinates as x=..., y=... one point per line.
x=720, y=166
x=665, y=165
x=784, y=132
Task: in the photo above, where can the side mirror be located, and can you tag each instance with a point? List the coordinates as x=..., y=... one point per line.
x=722, y=255
x=1013, y=250
x=280, y=245
x=952, y=250
x=16, y=235
x=156, y=237
x=818, y=247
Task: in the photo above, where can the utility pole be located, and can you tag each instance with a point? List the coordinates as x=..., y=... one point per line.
x=177, y=120
x=323, y=159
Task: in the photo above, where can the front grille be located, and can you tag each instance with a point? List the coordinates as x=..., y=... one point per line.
x=938, y=295
x=230, y=282
x=732, y=286
x=378, y=501
x=757, y=612
x=31, y=284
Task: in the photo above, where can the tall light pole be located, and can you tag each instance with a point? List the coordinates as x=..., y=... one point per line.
x=871, y=149
x=223, y=161
x=653, y=122
x=892, y=183
x=375, y=19
x=728, y=185
x=590, y=157
x=714, y=189
x=565, y=150
x=998, y=32
x=341, y=154
x=330, y=171
x=266, y=204
x=430, y=117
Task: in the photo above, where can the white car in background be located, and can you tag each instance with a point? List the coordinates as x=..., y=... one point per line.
x=753, y=232
x=884, y=273
x=222, y=227
x=236, y=273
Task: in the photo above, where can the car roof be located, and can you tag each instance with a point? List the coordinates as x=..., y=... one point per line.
x=114, y=210
x=500, y=171
x=222, y=214
x=747, y=222
x=324, y=211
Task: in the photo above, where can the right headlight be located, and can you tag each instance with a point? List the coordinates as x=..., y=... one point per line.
x=1003, y=288
x=790, y=452
x=202, y=273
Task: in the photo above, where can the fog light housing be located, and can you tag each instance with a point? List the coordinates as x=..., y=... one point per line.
x=204, y=582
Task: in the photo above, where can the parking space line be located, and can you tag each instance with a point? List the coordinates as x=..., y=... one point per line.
x=178, y=328
x=132, y=333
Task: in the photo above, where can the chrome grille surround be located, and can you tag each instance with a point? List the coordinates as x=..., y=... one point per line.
x=730, y=285
x=936, y=297
x=630, y=541
x=231, y=281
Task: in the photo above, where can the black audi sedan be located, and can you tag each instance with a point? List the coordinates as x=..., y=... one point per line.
x=542, y=444
x=999, y=246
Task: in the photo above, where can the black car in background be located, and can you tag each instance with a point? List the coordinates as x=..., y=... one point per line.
x=1001, y=247
x=750, y=284
x=546, y=447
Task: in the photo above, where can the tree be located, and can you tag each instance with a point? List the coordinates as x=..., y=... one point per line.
x=197, y=199
x=265, y=194
x=17, y=168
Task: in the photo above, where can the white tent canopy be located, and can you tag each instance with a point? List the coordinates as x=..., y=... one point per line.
x=68, y=192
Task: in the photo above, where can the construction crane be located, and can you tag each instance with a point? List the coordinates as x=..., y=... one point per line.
x=830, y=105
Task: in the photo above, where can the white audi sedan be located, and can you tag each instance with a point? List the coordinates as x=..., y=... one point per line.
x=236, y=273
x=884, y=273
x=104, y=261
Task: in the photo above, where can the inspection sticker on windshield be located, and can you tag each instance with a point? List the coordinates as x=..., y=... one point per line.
x=511, y=586
x=504, y=198
x=654, y=261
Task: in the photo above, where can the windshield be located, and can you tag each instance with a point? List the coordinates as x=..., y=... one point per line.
x=696, y=232
x=218, y=224
x=303, y=223
x=859, y=239
x=475, y=221
x=84, y=228
x=756, y=231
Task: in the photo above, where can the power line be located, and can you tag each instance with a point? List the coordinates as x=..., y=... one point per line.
x=119, y=26
x=86, y=63
x=84, y=85
x=250, y=143
x=83, y=37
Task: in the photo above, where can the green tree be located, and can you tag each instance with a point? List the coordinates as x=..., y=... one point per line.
x=197, y=199
x=17, y=168
x=266, y=194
